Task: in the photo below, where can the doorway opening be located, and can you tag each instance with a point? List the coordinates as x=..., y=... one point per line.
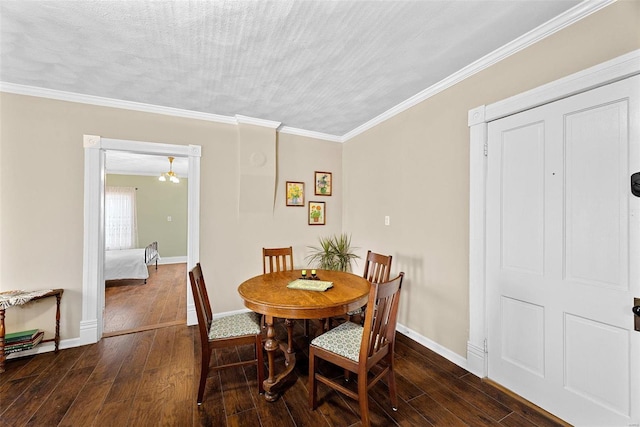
x=91, y=325
x=145, y=242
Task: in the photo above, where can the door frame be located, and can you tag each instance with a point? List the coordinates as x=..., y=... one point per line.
x=91, y=325
x=599, y=75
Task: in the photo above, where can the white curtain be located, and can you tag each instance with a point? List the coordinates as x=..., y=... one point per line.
x=120, y=219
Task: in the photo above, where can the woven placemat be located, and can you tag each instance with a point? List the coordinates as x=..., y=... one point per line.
x=310, y=285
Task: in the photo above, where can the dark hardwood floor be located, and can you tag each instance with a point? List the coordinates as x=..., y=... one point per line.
x=149, y=378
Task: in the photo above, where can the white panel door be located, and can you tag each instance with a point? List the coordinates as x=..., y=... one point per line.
x=563, y=239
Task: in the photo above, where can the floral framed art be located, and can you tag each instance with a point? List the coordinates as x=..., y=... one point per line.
x=323, y=183
x=295, y=193
x=317, y=213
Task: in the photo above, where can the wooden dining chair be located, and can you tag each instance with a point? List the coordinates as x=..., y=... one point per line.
x=229, y=331
x=358, y=348
x=281, y=259
x=377, y=268
x=277, y=259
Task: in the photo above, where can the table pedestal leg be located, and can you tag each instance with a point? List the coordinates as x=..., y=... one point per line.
x=271, y=345
x=289, y=324
x=2, y=355
x=57, y=336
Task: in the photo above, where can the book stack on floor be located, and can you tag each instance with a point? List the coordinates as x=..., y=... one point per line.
x=20, y=341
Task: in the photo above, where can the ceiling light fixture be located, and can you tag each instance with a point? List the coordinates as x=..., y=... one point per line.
x=171, y=175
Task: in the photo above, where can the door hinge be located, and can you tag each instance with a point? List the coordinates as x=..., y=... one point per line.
x=486, y=148
x=486, y=347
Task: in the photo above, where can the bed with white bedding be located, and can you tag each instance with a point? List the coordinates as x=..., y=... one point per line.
x=130, y=263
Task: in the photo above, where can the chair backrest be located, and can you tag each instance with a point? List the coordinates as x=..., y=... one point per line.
x=377, y=267
x=201, y=300
x=379, y=333
x=277, y=259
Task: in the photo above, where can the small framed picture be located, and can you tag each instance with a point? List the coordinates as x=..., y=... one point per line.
x=323, y=183
x=317, y=213
x=295, y=193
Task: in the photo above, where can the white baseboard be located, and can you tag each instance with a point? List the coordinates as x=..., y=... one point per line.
x=88, y=333
x=434, y=346
x=476, y=360
x=172, y=260
x=192, y=317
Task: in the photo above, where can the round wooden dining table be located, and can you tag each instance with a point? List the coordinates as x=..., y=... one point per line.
x=269, y=295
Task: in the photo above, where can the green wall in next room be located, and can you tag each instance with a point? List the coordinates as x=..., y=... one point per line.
x=157, y=201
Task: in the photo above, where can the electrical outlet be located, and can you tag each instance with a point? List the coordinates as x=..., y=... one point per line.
x=387, y=220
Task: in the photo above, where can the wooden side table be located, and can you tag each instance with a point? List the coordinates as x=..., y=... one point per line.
x=15, y=298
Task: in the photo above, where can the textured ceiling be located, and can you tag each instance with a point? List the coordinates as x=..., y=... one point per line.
x=321, y=66
x=128, y=163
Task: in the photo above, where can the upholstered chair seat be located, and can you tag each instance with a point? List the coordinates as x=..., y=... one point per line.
x=343, y=340
x=235, y=325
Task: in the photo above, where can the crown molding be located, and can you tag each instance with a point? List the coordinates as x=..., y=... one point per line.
x=256, y=122
x=552, y=26
x=311, y=134
x=111, y=102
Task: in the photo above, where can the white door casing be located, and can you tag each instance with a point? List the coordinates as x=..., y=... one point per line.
x=93, y=259
x=561, y=232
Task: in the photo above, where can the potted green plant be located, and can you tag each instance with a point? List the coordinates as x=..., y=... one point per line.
x=334, y=253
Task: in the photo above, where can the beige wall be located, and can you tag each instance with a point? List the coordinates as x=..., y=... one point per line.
x=41, y=194
x=415, y=168
x=155, y=201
